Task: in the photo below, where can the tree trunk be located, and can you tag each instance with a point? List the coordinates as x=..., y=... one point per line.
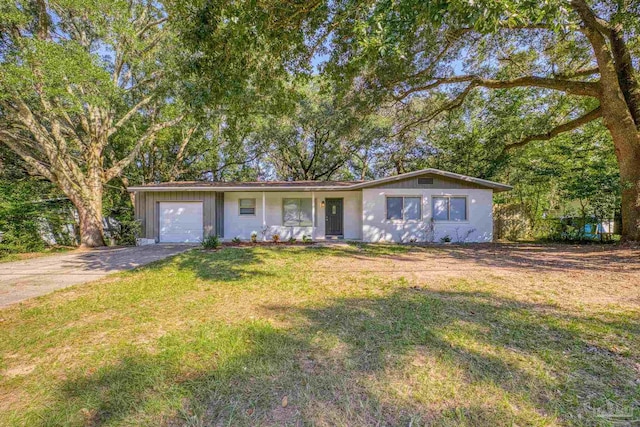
x=629, y=161
x=626, y=141
x=88, y=203
x=91, y=228
x=618, y=118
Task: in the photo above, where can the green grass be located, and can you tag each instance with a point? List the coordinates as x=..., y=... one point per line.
x=221, y=338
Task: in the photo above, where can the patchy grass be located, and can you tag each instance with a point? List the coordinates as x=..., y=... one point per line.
x=9, y=256
x=344, y=335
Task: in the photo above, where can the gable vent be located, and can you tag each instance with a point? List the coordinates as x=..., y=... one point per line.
x=425, y=181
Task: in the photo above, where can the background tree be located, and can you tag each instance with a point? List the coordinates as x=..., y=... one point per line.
x=219, y=149
x=576, y=177
x=314, y=142
x=32, y=209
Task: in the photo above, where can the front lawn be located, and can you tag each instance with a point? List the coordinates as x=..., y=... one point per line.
x=342, y=335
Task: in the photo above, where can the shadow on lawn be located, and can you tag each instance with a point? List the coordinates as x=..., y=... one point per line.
x=556, y=257
x=534, y=257
x=120, y=258
x=228, y=264
x=336, y=360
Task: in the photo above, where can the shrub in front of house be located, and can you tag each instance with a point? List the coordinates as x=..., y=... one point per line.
x=211, y=242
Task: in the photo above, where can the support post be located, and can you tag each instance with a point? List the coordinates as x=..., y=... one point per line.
x=313, y=215
x=264, y=217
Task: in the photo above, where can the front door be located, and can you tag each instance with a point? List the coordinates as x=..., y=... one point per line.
x=333, y=217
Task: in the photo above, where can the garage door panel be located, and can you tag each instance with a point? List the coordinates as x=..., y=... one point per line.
x=181, y=222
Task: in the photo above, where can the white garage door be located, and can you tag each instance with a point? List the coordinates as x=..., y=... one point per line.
x=181, y=222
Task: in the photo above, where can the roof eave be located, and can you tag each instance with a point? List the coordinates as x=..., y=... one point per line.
x=222, y=189
x=496, y=186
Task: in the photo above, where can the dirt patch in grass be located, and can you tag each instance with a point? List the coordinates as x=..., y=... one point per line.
x=352, y=334
x=604, y=274
x=9, y=257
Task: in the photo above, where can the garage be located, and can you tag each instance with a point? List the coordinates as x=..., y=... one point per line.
x=181, y=222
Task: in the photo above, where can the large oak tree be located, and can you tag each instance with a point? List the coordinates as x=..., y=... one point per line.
x=587, y=51
x=89, y=88
x=82, y=91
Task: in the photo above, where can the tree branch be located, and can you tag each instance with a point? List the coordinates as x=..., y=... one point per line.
x=626, y=74
x=572, y=87
x=590, y=19
x=148, y=26
x=11, y=141
x=117, y=168
x=129, y=114
x=579, y=73
x=455, y=103
x=449, y=40
x=175, y=171
x=565, y=127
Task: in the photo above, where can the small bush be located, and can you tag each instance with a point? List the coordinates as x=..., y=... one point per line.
x=306, y=239
x=211, y=242
x=275, y=238
x=292, y=240
x=254, y=237
x=236, y=240
x=126, y=232
x=445, y=239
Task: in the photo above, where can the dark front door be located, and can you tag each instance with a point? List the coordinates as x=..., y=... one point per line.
x=333, y=217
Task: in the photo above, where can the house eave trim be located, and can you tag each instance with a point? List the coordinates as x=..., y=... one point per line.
x=239, y=189
x=496, y=186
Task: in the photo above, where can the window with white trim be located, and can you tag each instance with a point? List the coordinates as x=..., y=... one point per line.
x=407, y=208
x=449, y=208
x=297, y=212
x=247, y=206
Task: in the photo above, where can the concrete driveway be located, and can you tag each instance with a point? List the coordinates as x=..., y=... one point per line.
x=21, y=280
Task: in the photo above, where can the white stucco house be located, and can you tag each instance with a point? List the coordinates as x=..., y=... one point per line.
x=428, y=205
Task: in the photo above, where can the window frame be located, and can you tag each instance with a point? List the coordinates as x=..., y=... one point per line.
x=313, y=220
x=255, y=207
x=448, y=198
x=403, y=196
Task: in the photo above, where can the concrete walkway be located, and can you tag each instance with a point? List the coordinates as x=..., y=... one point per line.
x=21, y=280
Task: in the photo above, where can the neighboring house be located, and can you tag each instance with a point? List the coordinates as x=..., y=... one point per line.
x=429, y=205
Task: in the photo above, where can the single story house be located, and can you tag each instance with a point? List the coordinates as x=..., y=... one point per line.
x=428, y=205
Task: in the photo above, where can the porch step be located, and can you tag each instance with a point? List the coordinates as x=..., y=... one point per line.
x=341, y=237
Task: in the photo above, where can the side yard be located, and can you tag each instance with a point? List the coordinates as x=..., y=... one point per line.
x=337, y=335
